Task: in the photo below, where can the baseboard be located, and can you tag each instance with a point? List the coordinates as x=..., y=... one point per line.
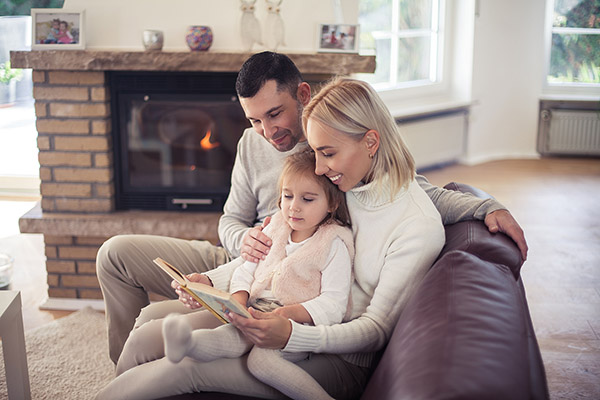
x=66, y=304
x=475, y=160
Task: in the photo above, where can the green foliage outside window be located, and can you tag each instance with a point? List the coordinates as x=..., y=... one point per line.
x=23, y=7
x=575, y=54
x=8, y=74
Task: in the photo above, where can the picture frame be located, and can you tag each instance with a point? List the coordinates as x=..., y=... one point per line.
x=338, y=38
x=57, y=29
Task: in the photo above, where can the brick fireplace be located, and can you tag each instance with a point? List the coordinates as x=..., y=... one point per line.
x=72, y=104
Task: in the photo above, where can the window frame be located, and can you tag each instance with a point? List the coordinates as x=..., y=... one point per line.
x=451, y=88
x=563, y=88
x=436, y=35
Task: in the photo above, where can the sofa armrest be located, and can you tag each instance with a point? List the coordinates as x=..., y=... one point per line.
x=463, y=335
x=474, y=237
x=465, y=188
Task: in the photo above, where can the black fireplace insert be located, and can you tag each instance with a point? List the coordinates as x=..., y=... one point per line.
x=175, y=136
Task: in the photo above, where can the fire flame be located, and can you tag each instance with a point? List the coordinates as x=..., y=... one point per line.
x=205, y=143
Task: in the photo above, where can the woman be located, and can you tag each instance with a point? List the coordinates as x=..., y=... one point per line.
x=397, y=231
x=398, y=234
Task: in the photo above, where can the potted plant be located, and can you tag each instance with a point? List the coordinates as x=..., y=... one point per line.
x=8, y=83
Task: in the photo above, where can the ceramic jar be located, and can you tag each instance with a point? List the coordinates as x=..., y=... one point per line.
x=199, y=38
x=153, y=40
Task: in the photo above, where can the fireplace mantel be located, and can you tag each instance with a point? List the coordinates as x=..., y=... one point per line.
x=118, y=60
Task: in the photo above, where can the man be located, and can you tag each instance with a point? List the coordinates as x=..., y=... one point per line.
x=272, y=94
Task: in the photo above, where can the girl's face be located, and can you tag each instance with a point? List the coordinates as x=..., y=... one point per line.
x=339, y=157
x=304, y=205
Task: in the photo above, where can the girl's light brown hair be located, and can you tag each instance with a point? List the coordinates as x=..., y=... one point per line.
x=353, y=107
x=302, y=165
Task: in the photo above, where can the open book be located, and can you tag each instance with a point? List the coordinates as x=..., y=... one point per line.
x=215, y=300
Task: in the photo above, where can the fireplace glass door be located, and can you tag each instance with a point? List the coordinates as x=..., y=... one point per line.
x=176, y=150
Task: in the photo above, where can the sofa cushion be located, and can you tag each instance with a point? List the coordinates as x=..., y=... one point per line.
x=463, y=335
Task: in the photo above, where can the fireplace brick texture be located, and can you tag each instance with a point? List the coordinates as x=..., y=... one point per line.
x=71, y=266
x=76, y=173
x=74, y=141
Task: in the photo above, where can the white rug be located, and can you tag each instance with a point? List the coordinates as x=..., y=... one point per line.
x=67, y=358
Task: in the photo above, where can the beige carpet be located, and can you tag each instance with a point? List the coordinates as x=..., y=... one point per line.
x=67, y=358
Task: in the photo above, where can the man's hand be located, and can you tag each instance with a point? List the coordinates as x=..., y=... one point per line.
x=256, y=245
x=266, y=330
x=184, y=297
x=503, y=221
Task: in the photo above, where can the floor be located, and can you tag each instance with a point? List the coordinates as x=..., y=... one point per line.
x=554, y=199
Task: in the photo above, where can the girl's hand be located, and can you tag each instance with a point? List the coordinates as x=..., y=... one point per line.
x=241, y=297
x=255, y=244
x=184, y=297
x=266, y=330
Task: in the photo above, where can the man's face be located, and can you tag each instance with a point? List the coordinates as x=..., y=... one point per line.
x=275, y=115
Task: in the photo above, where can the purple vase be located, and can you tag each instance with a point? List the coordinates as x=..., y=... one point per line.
x=199, y=38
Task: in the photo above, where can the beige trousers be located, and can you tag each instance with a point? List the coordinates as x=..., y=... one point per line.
x=144, y=373
x=127, y=274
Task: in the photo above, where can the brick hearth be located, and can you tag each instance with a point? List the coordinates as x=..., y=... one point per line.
x=76, y=214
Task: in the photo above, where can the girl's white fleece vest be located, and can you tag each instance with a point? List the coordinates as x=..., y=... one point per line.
x=297, y=278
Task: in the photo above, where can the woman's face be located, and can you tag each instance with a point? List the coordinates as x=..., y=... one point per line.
x=339, y=157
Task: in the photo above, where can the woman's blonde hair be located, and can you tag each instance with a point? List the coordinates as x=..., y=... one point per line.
x=353, y=107
x=302, y=165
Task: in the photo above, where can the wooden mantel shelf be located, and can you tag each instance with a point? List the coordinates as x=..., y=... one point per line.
x=211, y=61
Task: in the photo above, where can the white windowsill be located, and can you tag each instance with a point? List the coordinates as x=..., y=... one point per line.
x=407, y=109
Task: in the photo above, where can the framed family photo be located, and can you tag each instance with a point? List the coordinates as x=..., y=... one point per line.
x=56, y=28
x=338, y=38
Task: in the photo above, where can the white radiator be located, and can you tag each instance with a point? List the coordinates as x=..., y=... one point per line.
x=569, y=132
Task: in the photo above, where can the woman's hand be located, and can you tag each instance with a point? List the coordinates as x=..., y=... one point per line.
x=255, y=244
x=266, y=330
x=184, y=297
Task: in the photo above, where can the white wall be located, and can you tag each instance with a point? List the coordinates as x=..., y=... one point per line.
x=508, y=68
x=118, y=24
x=499, y=64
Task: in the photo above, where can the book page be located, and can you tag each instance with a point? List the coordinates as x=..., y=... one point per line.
x=218, y=300
x=215, y=300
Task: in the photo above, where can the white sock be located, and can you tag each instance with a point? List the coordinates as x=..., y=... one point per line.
x=177, y=335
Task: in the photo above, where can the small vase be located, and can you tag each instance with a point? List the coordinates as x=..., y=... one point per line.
x=199, y=38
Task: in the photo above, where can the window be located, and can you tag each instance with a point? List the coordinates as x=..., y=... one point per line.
x=574, y=58
x=407, y=38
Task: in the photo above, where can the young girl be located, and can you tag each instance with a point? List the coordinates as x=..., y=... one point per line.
x=64, y=36
x=306, y=277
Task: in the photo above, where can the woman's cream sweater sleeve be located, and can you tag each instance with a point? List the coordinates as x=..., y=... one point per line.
x=409, y=256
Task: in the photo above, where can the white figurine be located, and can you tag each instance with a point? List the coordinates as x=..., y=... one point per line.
x=274, y=31
x=249, y=25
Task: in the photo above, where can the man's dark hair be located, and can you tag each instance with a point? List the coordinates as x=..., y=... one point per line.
x=266, y=66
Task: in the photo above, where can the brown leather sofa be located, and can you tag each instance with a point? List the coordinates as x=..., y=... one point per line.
x=466, y=333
